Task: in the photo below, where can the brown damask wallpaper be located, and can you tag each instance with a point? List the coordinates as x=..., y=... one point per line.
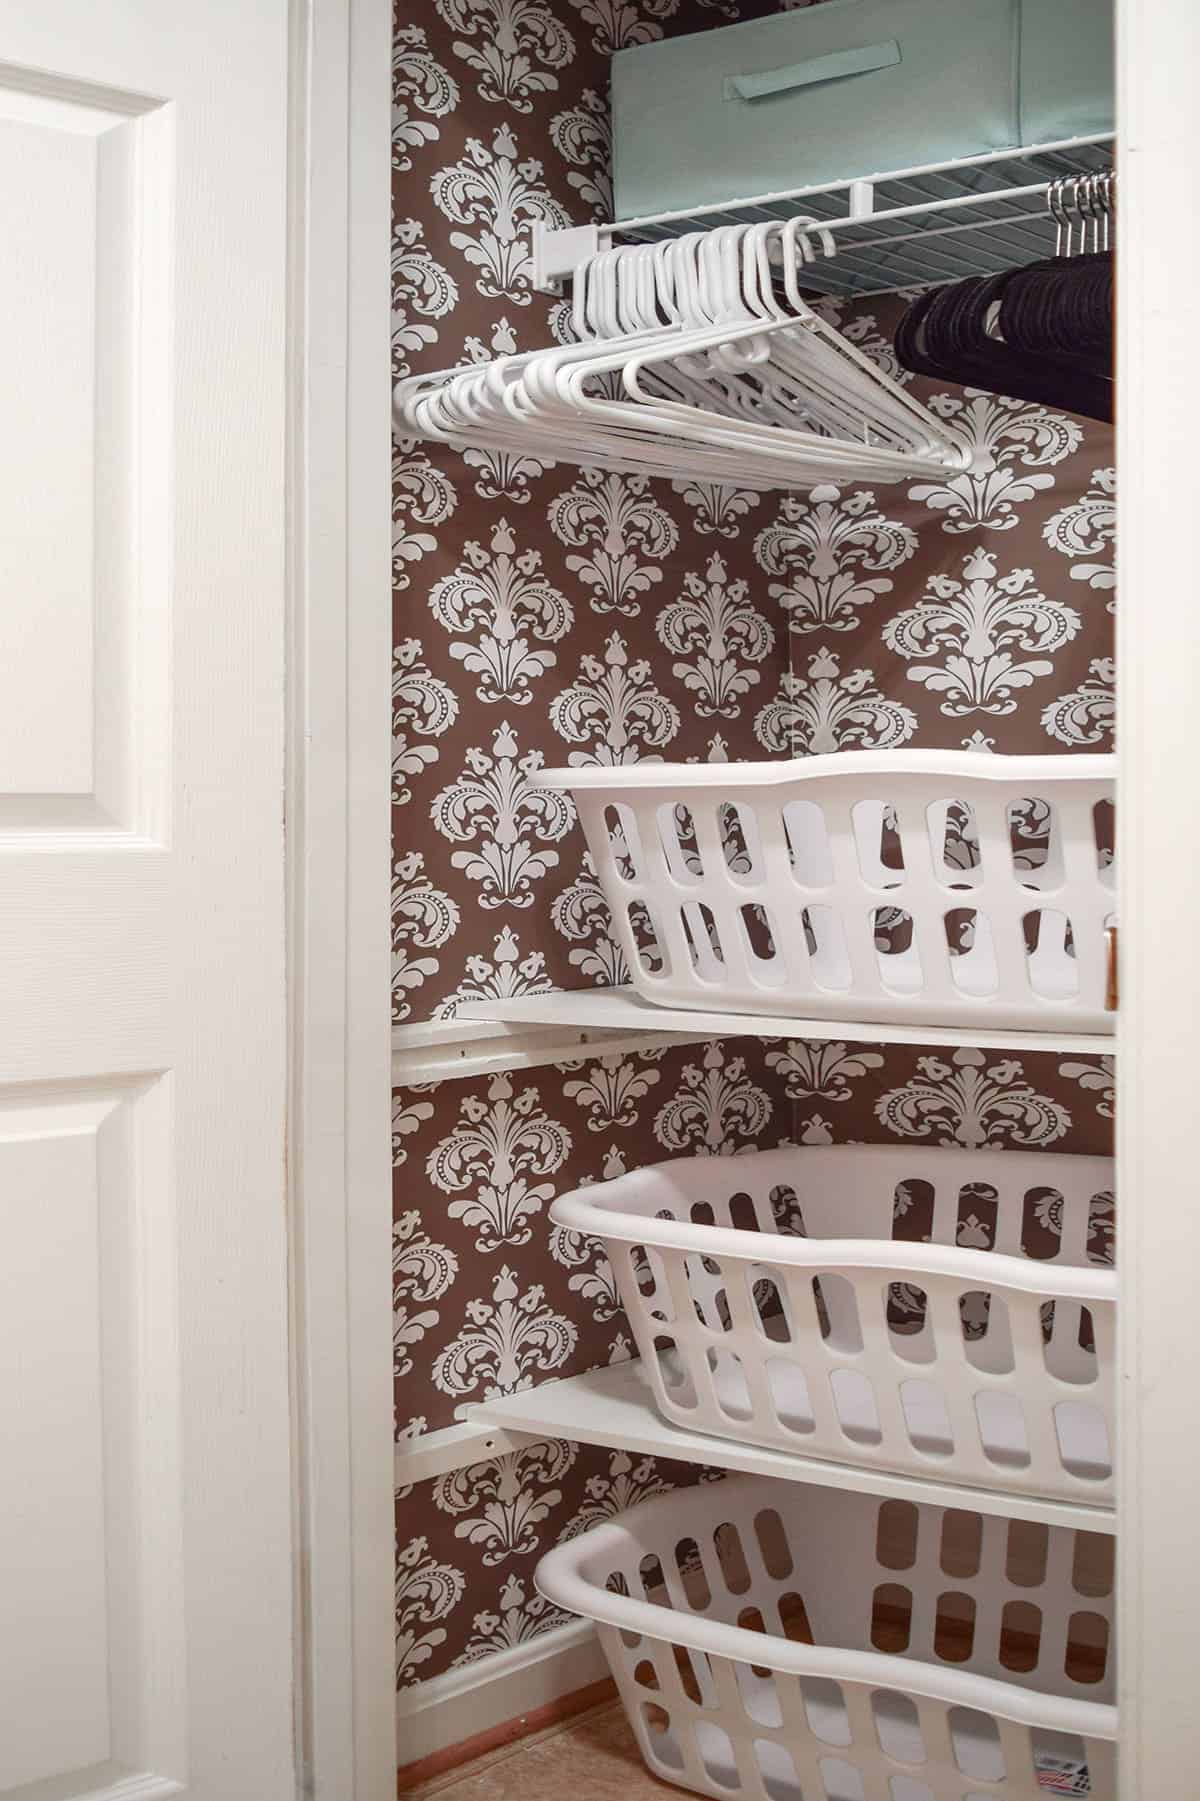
x=550, y=614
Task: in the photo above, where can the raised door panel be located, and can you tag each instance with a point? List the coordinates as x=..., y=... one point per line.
x=85, y=481
x=90, y=1549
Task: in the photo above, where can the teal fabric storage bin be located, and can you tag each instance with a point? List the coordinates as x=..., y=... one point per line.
x=849, y=88
x=1067, y=76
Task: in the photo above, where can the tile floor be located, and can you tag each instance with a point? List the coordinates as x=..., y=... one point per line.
x=592, y=1757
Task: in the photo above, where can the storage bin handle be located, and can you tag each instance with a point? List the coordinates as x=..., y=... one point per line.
x=834, y=67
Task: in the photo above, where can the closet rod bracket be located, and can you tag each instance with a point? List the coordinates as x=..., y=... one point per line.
x=558, y=251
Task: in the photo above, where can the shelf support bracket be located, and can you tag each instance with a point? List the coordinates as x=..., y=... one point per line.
x=862, y=199
x=558, y=251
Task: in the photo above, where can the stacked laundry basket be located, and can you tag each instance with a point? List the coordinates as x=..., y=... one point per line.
x=922, y=1312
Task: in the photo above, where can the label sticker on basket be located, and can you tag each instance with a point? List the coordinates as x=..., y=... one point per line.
x=1062, y=1775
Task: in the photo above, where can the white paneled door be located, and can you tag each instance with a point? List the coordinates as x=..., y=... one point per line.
x=145, y=1530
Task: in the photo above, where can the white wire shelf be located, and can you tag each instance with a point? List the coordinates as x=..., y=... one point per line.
x=899, y=229
x=612, y=1407
x=622, y=1010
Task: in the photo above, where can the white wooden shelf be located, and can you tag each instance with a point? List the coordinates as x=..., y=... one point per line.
x=622, y=1010
x=442, y=1049
x=613, y=1407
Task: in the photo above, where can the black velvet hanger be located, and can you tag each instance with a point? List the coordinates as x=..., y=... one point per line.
x=1042, y=333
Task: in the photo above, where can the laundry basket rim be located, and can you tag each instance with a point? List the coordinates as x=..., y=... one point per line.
x=968, y=766
x=595, y=1210
x=560, y=1579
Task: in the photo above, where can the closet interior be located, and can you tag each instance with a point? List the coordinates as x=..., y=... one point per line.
x=754, y=892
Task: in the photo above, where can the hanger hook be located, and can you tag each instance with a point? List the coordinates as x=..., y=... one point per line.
x=1056, y=207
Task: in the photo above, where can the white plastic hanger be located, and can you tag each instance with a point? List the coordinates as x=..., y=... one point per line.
x=686, y=362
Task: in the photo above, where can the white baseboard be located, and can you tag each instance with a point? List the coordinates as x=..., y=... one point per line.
x=477, y=1696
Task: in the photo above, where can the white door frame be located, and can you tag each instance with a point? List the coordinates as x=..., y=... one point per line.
x=338, y=809
x=1159, y=678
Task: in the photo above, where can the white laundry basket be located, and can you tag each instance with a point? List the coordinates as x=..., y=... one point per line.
x=908, y=886
x=950, y=1656
x=779, y=1298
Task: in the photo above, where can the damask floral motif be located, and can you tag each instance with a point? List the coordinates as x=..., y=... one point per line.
x=505, y=1342
x=422, y=706
x=831, y=551
x=521, y=1617
x=422, y=289
x=972, y=1102
x=583, y=135
x=426, y=1592
x=717, y=1110
x=502, y=977
x=717, y=510
x=813, y=1069
x=1087, y=527
x=504, y=474
x=423, y=918
x=976, y=625
x=510, y=823
x=501, y=341
x=513, y=45
x=612, y=1088
x=1102, y=1230
x=408, y=1116
x=501, y=197
x=421, y=496
x=593, y=1280
x=1008, y=446
x=618, y=24
x=815, y=1130
x=626, y=1483
x=581, y=916
x=421, y=1272
x=713, y=621
x=506, y=1499
x=499, y=1144
x=828, y=711
x=1088, y=714
x=505, y=604
x=420, y=85
x=616, y=521
x=1099, y=1078
x=615, y=702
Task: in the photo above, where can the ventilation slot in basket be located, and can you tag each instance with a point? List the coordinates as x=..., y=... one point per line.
x=807, y=838
x=647, y=939
x=972, y=952
x=680, y=845
x=829, y=958
x=896, y=951
x=1050, y=960
x=624, y=845
x=954, y=842
x=877, y=844
x=759, y=945
x=1020, y=1636
x=738, y=833
x=1035, y=843
x=975, y=1741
